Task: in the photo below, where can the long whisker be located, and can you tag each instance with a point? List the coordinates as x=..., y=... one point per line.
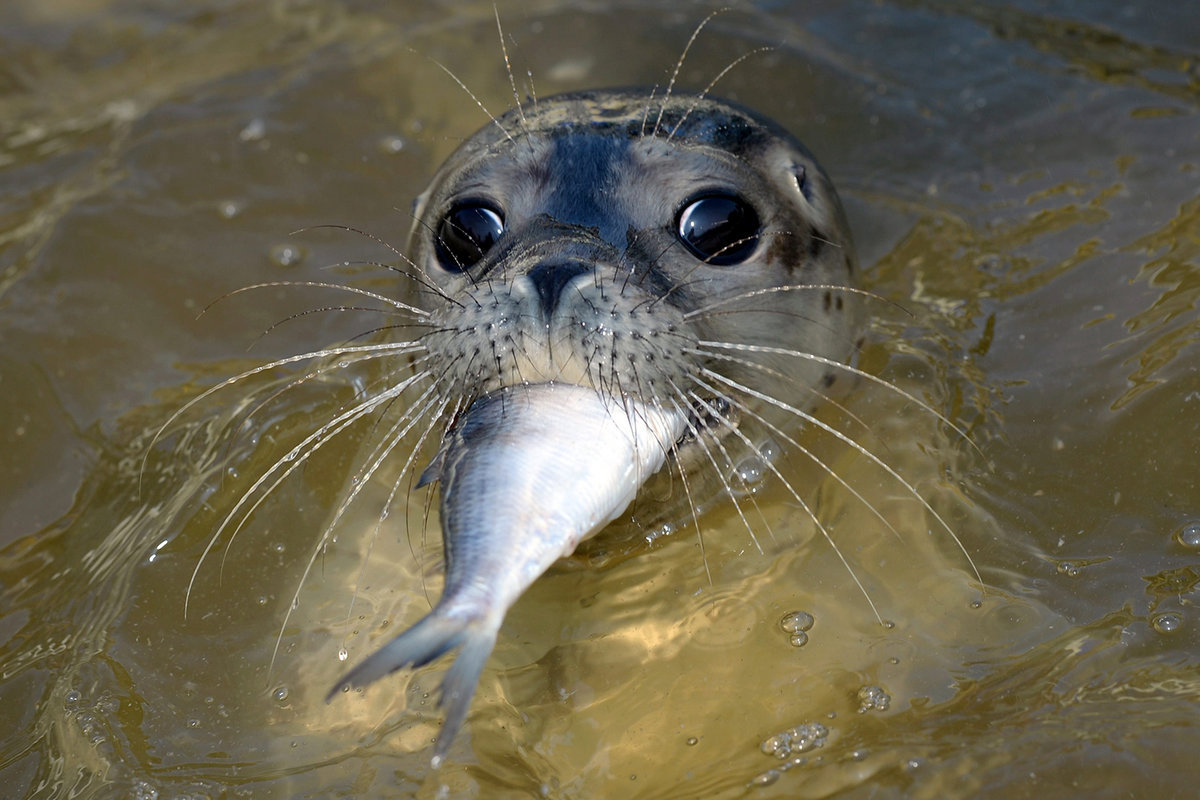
x=795, y=496
x=396, y=304
x=324, y=309
x=437, y=235
x=295, y=457
x=703, y=443
x=754, y=348
x=815, y=392
x=417, y=448
x=508, y=66
x=856, y=446
x=378, y=350
x=459, y=404
x=422, y=276
x=828, y=470
x=646, y=110
x=532, y=91
x=373, y=462
x=711, y=84
x=684, y=280
x=795, y=287
x=476, y=100
x=312, y=375
x=687, y=490
x=662, y=108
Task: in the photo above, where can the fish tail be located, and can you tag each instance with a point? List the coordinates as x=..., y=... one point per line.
x=458, y=685
x=435, y=634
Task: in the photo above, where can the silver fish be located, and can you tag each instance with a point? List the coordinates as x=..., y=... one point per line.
x=526, y=474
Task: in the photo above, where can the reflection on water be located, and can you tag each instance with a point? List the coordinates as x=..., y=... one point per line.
x=1021, y=179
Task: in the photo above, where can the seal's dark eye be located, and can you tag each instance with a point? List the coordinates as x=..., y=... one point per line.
x=465, y=234
x=719, y=229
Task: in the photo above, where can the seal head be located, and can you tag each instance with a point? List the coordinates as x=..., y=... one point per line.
x=686, y=252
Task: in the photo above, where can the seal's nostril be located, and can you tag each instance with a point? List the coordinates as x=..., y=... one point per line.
x=550, y=279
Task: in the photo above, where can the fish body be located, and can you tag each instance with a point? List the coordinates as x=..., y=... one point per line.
x=527, y=473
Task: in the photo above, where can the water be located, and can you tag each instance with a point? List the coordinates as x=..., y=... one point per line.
x=1021, y=179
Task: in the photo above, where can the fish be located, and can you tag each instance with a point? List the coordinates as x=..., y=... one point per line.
x=527, y=473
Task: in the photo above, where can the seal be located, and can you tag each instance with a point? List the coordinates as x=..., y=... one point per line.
x=680, y=262
x=610, y=297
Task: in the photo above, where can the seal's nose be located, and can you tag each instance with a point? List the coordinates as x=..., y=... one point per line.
x=549, y=279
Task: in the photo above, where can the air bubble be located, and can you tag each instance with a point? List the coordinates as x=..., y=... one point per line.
x=798, y=639
x=255, y=130
x=799, y=739
x=1069, y=568
x=873, y=698
x=751, y=470
x=280, y=694
x=392, y=144
x=228, y=209
x=692, y=741
x=343, y=654
x=666, y=530
x=766, y=778
x=1167, y=623
x=796, y=621
x=1189, y=536
x=287, y=255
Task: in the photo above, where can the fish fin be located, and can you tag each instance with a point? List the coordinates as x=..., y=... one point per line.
x=458, y=686
x=435, y=634
x=433, y=472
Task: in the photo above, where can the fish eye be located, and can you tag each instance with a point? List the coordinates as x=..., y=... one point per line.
x=720, y=229
x=465, y=234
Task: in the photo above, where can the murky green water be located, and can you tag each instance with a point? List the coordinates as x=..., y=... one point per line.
x=1022, y=182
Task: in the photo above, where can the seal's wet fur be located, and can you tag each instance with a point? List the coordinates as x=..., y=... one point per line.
x=558, y=245
x=590, y=283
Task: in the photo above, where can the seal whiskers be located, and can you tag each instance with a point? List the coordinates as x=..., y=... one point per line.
x=636, y=278
x=602, y=291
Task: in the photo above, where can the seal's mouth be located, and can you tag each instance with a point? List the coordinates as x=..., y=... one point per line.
x=706, y=417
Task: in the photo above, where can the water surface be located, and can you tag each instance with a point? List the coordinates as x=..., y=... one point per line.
x=1021, y=179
